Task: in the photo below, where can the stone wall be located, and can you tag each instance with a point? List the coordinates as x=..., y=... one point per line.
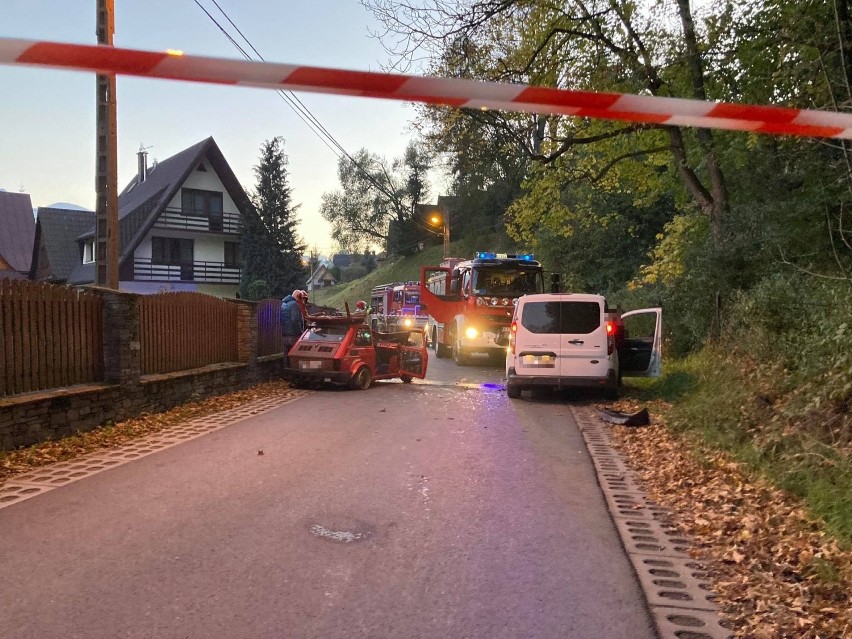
x=36, y=417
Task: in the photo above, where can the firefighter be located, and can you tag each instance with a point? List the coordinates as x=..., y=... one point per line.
x=292, y=320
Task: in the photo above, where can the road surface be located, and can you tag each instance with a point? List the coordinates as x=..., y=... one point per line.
x=437, y=509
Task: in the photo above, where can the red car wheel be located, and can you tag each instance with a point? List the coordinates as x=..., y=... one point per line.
x=362, y=379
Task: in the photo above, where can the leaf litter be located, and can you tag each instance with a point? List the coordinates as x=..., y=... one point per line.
x=775, y=570
x=115, y=435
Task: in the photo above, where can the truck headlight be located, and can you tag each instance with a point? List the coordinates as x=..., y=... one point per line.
x=408, y=322
x=471, y=333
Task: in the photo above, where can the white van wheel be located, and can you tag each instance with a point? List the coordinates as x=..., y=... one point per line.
x=513, y=391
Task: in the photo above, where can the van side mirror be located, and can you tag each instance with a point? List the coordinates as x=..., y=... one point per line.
x=554, y=282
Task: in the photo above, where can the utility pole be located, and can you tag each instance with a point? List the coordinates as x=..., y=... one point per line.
x=446, y=231
x=314, y=259
x=106, y=164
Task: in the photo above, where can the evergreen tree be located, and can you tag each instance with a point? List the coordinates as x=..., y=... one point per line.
x=368, y=260
x=272, y=251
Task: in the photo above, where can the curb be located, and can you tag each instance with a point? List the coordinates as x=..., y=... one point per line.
x=676, y=586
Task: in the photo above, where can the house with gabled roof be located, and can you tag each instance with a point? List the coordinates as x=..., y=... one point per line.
x=17, y=230
x=320, y=278
x=56, y=252
x=180, y=225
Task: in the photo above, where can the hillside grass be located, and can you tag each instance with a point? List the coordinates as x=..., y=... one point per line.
x=400, y=270
x=407, y=269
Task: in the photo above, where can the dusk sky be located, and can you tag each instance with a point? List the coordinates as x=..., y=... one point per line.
x=47, y=118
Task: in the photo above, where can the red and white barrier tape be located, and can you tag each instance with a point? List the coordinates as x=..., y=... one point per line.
x=469, y=94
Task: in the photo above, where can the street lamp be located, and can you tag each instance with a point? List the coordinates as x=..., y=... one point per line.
x=442, y=217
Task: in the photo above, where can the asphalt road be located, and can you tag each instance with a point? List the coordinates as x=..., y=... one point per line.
x=437, y=509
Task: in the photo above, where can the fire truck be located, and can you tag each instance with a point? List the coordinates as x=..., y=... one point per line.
x=396, y=307
x=470, y=302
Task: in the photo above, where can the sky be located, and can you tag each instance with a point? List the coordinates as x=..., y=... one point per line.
x=47, y=118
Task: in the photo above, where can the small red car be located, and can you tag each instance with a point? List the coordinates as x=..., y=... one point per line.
x=342, y=350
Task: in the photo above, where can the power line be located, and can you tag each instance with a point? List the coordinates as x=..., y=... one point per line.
x=293, y=101
x=293, y=96
x=281, y=93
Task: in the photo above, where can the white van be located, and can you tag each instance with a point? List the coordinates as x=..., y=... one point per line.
x=573, y=340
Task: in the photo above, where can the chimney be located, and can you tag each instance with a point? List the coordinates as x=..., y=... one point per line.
x=142, y=155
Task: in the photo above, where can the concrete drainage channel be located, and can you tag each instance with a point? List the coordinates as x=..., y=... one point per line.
x=675, y=585
x=38, y=481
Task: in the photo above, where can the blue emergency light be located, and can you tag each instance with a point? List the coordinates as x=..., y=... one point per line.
x=488, y=255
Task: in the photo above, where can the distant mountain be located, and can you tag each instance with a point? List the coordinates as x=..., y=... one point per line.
x=69, y=207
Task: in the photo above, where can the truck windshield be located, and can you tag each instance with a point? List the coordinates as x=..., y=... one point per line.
x=412, y=298
x=507, y=281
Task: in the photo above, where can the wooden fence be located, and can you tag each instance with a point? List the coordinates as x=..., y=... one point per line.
x=180, y=331
x=50, y=336
x=269, y=338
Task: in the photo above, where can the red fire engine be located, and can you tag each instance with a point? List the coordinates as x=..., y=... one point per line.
x=396, y=307
x=470, y=302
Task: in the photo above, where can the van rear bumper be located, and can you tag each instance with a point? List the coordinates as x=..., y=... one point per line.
x=556, y=381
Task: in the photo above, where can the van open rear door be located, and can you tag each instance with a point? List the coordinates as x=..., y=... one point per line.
x=641, y=356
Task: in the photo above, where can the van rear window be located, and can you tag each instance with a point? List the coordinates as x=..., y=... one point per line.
x=578, y=318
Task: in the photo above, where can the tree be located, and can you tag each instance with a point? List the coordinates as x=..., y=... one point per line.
x=374, y=194
x=368, y=260
x=599, y=45
x=271, y=248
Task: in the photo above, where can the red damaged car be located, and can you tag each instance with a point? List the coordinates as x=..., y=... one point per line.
x=342, y=350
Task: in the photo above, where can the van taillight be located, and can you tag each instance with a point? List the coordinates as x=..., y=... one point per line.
x=513, y=336
x=610, y=338
x=514, y=326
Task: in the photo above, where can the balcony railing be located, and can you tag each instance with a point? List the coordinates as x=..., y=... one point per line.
x=228, y=223
x=144, y=270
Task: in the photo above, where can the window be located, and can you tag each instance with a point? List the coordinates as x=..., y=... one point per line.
x=363, y=337
x=466, y=283
x=174, y=251
x=233, y=259
x=326, y=334
x=88, y=251
x=171, y=250
x=198, y=203
x=576, y=318
x=503, y=281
